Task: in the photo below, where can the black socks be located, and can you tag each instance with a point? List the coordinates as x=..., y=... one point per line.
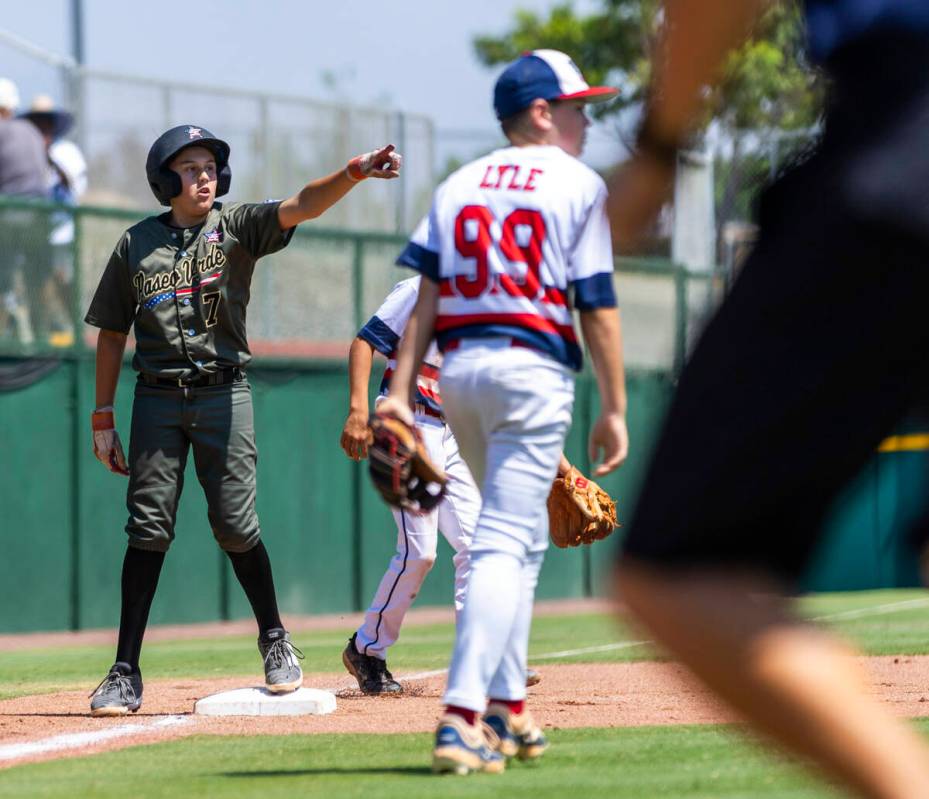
x=141, y=569
x=253, y=570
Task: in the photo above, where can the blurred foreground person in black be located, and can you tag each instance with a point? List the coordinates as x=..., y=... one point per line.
x=816, y=353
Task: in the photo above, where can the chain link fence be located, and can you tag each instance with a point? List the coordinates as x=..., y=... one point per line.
x=308, y=300
x=744, y=162
x=278, y=142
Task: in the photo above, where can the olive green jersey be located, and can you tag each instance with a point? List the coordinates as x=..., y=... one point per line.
x=186, y=290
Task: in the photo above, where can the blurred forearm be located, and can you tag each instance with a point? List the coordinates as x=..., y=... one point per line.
x=697, y=36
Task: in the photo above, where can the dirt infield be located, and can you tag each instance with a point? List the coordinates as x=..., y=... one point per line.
x=578, y=695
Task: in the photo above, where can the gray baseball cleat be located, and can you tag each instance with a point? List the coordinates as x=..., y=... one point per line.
x=532, y=678
x=372, y=673
x=282, y=672
x=119, y=693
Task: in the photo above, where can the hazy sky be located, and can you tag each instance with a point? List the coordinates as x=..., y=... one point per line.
x=413, y=55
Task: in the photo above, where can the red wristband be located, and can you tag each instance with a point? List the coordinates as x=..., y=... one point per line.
x=353, y=170
x=102, y=420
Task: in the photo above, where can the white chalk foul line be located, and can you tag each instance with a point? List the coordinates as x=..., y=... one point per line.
x=871, y=610
x=565, y=653
x=589, y=650
x=425, y=675
x=76, y=740
x=875, y=610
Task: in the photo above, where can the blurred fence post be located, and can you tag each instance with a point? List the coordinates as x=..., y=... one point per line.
x=166, y=106
x=77, y=429
x=264, y=166
x=400, y=208
x=76, y=310
x=357, y=467
x=681, y=277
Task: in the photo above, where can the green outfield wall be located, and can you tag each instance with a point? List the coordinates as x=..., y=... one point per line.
x=329, y=535
x=62, y=514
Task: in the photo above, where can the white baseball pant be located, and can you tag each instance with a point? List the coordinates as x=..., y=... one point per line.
x=510, y=408
x=417, y=540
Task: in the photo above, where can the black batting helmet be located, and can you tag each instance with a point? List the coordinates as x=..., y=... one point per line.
x=167, y=184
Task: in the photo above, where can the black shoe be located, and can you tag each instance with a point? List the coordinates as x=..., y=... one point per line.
x=119, y=693
x=282, y=672
x=371, y=672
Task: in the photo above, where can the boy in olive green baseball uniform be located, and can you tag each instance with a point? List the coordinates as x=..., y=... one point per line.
x=182, y=281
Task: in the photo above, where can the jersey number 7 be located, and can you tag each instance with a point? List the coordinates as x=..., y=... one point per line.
x=211, y=304
x=477, y=220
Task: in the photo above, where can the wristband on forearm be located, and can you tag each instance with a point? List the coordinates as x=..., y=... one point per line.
x=353, y=170
x=102, y=418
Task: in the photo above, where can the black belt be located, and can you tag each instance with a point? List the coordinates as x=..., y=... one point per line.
x=220, y=378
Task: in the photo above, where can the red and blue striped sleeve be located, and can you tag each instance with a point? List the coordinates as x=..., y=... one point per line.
x=422, y=251
x=590, y=264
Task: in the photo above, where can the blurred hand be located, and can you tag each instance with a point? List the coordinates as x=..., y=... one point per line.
x=638, y=190
x=383, y=163
x=391, y=406
x=609, y=436
x=356, y=436
x=107, y=447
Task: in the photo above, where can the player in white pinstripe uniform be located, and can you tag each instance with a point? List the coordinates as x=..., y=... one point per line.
x=417, y=534
x=365, y=656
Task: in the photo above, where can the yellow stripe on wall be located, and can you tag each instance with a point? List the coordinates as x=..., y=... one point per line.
x=914, y=442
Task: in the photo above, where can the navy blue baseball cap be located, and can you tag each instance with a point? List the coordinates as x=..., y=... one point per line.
x=546, y=75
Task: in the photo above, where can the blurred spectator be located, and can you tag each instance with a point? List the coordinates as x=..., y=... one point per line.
x=67, y=182
x=23, y=173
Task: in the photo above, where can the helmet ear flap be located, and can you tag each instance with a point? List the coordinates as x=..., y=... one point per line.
x=223, y=181
x=165, y=184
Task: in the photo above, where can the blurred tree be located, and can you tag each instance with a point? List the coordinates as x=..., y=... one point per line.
x=767, y=83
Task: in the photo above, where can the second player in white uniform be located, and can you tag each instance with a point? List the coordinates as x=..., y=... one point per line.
x=417, y=534
x=514, y=241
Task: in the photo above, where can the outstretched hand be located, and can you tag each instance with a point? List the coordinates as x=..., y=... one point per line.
x=383, y=163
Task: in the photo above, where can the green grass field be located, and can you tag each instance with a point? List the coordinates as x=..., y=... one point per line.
x=689, y=762
x=692, y=762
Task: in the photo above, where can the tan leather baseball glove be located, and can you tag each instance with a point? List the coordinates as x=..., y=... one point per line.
x=579, y=511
